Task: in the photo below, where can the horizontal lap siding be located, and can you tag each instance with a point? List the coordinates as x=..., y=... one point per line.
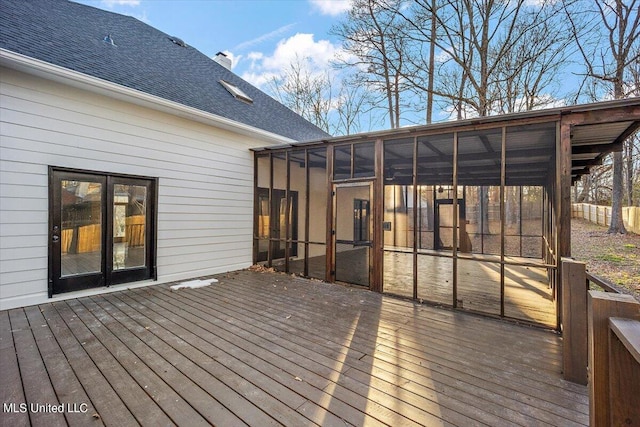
x=205, y=191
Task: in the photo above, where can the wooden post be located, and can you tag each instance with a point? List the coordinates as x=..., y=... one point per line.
x=602, y=306
x=563, y=206
x=624, y=371
x=378, y=217
x=574, y=321
x=330, y=275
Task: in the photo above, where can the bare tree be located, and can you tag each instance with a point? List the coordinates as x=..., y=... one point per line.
x=371, y=36
x=306, y=93
x=526, y=75
x=352, y=105
x=495, y=56
x=632, y=145
x=607, y=36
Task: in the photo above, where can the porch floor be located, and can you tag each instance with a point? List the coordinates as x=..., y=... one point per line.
x=271, y=349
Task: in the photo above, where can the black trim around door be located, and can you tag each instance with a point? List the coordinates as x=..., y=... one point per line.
x=102, y=229
x=437, y=242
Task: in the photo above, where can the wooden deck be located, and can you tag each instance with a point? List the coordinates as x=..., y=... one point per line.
x=527, y=295
x=270, y=349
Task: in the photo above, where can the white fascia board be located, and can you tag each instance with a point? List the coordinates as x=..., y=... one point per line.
x=72, y=78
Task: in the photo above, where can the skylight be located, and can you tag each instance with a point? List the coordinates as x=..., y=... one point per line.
x=236, y=92
x=178, y=41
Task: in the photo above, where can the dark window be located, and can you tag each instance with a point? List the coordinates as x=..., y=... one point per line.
x=360, y=220
x=342, y=162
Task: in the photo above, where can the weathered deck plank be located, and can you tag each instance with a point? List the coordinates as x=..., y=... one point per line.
x=68, y=389
x=37, y=392
x=12, y=391
x=141, y=405
x=274, y=349
x=280, y=368
x=270, y=349
x=194, y=406
x=100, y=392
x=156, y=338
x=354, y=362
x=174, y=319
x=502, y=390
x=495, y=371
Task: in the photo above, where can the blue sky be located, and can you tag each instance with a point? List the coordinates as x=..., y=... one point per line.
x=262, y=37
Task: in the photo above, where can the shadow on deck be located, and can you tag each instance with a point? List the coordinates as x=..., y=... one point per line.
x=271, y=349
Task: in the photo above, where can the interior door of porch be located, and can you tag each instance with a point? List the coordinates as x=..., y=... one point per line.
x=353, y=233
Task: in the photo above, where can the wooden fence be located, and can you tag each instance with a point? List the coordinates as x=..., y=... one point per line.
x=88, y=238
x=602, y=215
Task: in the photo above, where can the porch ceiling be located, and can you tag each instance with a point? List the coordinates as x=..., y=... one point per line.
x=596, y=130
x=591, y=142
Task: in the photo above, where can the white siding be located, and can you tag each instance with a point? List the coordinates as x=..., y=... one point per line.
x=205, y=191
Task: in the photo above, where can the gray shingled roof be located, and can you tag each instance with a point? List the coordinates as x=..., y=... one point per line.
x=72, y=35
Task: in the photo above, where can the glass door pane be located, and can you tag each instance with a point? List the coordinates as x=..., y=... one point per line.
x=129, y=224
x=279, y=224
x=81, y=227
x=130, y=247
x=264, y=223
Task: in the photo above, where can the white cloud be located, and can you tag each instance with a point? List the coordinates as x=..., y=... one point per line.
x=264, y=37
x=331, y=7
x=259, y=79
x=317, y=53
x=112, y=3
x=317, y=56
x=255, y=56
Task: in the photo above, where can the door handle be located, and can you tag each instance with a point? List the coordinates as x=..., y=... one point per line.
x=55, y=238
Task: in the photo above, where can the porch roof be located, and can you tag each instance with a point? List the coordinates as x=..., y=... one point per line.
x=597, y=129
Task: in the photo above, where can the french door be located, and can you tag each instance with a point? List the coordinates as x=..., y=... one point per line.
x=101, y=230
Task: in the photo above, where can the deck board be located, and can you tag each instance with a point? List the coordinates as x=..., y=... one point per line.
x=491, y=373
x=141, y=404
x=161, y=370
x=271, y=349
x=37, y=392
x=67, y=387
x=183, y=324
x=12, y=390
x=100, y=393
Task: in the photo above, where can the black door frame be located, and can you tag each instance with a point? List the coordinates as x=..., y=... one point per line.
x=436, y=221
x=107, y=276
x=355, y=242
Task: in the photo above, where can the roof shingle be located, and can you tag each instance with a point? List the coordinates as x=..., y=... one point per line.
x=143, y=58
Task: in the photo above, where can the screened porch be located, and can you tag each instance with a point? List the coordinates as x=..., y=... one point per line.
x=472, y=215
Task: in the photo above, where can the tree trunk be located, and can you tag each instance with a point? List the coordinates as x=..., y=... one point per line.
x=617, y=193
x=617, y=225
x=586, y=188
x=432, y=62
x=483, y=209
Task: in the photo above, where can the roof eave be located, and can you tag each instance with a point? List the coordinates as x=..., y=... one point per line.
x=79, y=80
